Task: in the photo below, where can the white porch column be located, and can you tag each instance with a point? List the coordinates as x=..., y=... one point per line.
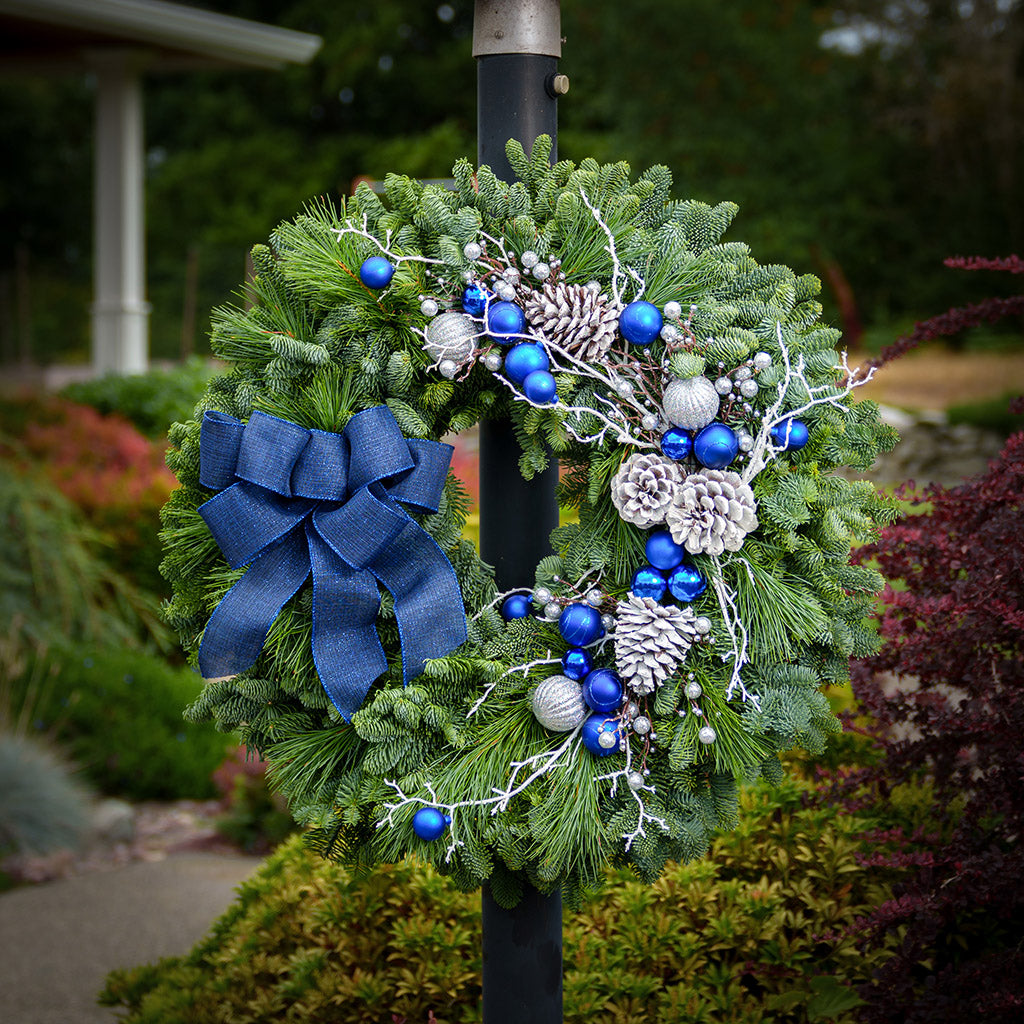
x=120, y=313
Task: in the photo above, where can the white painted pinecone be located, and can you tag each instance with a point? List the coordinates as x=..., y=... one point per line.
x=644, y=488
x=575, y=318
x=712, y=513
x=651, y=641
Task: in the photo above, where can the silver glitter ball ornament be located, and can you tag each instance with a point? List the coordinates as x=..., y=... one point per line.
x=673, y=311
x=529, y=259
x=469, y=276
x=607, y=740
x=542, y=595
x=745, y=441
x=702, y=624
x=743, y=372
x=608, y=623
x=511, y=275
x=762, y=361
x=691, y=403
x=428, y=307
x=670, y=333
x=553, y=610
x=595, y=598
x=505, y=292
x=723, y=385
x=624, y=388
x=493, y=361
x=448, y=368
x=632, y=709
x=635, y=781
x=471, y=251
x=650, y=421
x=707, y=735
x=541, y=271
x=641, y=725
x=693, y=690
x=748, y=388
x=558, y=704
x=451, y=336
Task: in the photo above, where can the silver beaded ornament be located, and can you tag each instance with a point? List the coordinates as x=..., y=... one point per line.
x=448, y=368
x=472, y=251
x=641, y=725
x=558, y=704
x=673, y=311
x=529, y=259
x=635, y=781
x=493, y=361
x=762, y=360
x=428, y=307
x=723, y=385
x=748, y=388
x=694, y=690
x=691, y=403
x=451, y=336
x=707, y=735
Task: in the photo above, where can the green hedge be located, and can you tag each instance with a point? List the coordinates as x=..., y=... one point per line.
x=752, y=933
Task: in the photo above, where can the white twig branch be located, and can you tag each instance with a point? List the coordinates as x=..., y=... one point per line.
x=644, y=815
x=348, y=228
x=737, y=634
x=617, y=268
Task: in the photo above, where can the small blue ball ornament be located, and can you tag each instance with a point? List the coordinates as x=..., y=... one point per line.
x=648, y=582
x=686, y=583
x=662, y=551
x=676, y=443
x=474, y=300
x=376, y=272
x=505, y=320
x=602, y=690
x=429, y=823
x=523, y=359
x=798, y=434
x=596, y=726
x=580, y=624
x=516, y=606
x=540, y=387
x=640, y=322
x=716, y=446
x=576, y=663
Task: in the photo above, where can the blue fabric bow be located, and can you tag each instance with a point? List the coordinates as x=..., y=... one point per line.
x=294, y=501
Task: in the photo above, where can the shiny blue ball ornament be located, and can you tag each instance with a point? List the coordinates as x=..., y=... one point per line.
x=516, y=606
x=716, y=446
x=640, y=322
x=474, y=300
x=686, y=583
x=648, y=582
x=798, y=434
x=594, y=727
x=376, y=272
x=580, y=624
x=662, y=551
x=576, y=663
x=523, y=359
x=429, y=823
x=505, y=320
x=602, y=690
x=540, y=387
x=676, y=443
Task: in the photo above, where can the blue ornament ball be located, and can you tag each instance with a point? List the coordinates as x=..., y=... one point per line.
x=376, y=272
x=474, y=300
x=640, y=322
x=505, y=320
x=716, y=446
x=602, y=690
x=523, y=359
x=580, y=624
x=576, y=663
x=686, y=583
x=798, y=434
x=516, y=606
x=540, y=387
x=662, y=551
x=593, y=728
x=429, y=823
x=648, y=582
x=676, y=443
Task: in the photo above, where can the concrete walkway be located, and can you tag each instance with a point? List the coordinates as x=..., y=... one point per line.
x=58, y=940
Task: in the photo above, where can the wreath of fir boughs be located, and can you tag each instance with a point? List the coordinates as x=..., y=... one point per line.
x=700, y=593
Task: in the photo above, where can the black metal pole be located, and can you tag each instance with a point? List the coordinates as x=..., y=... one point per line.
x=517, y=44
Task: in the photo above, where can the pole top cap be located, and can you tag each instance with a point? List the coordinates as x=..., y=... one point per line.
x=517, y=26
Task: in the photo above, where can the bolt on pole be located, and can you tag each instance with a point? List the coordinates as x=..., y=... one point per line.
x=517, y=44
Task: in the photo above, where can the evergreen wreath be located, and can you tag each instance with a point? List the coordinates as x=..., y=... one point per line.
x=678, y=638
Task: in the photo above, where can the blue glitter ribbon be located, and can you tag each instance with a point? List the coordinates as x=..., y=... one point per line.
x=294, y=501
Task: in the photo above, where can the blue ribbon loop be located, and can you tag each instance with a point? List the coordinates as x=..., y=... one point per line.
x=293, y=501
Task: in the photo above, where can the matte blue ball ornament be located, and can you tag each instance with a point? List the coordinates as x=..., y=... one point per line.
x=523, y=359
x=540, y=387
x=429, y=823
x=798, y=434
x=602, y=690
x=576, y=663
x=648, y=582
x=376, y=272
x=662, y=551
x=640, y=322
x=596, y=726
x=474, y=300
x=580, y=624
x=505, y=320
x=686, y=583
x=516, y=606
x=716, y=446
x=676, y=443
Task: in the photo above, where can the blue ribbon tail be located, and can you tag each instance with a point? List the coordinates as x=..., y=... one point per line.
x=238, y=628
x=346, y=648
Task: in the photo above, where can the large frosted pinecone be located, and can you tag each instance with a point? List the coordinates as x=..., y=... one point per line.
x=712, y=513
x=651, y=641
x=576, y=318
x=644, y=488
